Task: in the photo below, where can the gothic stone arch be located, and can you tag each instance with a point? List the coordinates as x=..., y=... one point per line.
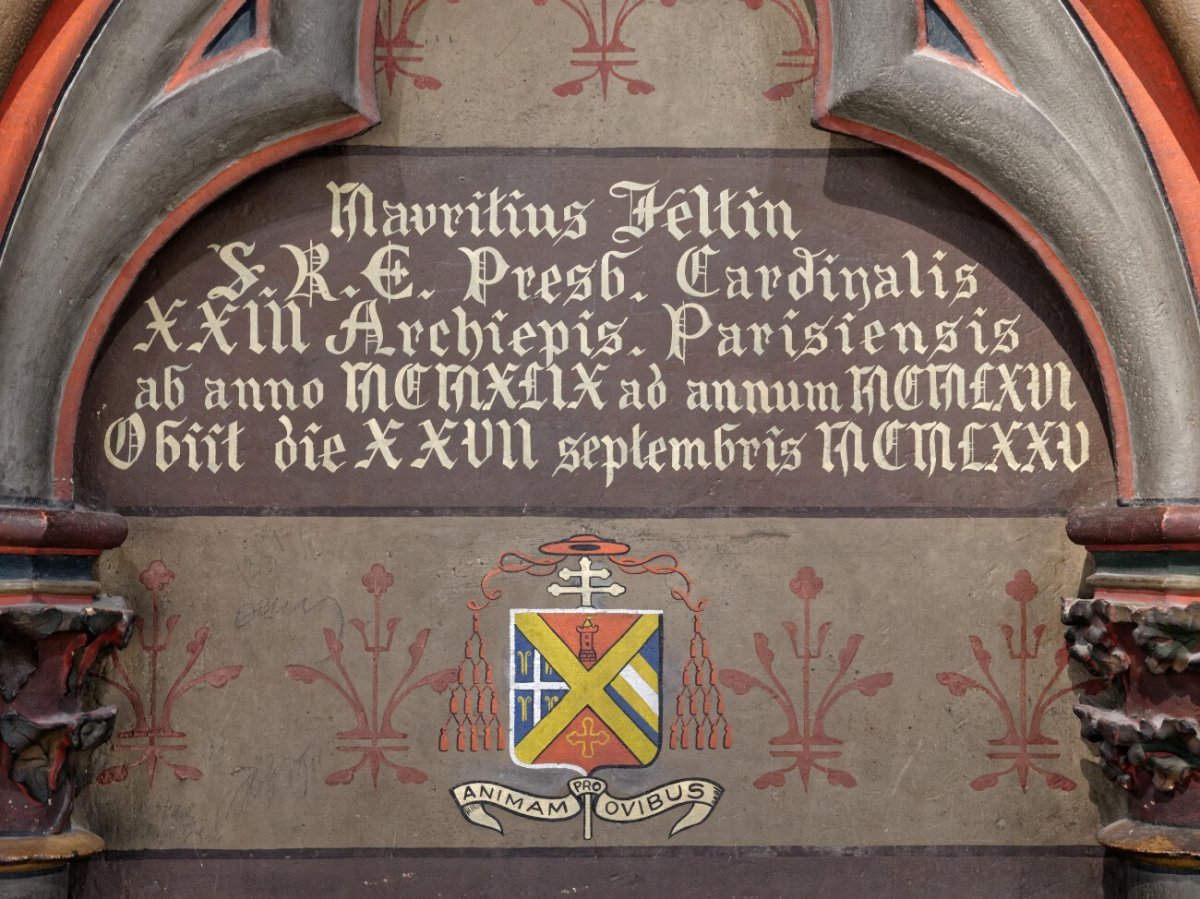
x=124, y=119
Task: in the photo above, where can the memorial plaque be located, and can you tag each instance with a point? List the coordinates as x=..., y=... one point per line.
x=594, y=458
x=555, y=353
x=376, y=330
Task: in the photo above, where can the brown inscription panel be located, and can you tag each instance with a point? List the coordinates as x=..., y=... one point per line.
x=368, y=329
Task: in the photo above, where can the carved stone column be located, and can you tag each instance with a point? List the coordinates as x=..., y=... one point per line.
x=1141, y=630
x=53, y=627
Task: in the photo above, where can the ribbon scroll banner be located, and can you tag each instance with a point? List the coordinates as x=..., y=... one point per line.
x=590, y=796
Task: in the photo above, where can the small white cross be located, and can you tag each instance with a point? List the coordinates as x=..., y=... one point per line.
x=537, y=685
x=585, y=589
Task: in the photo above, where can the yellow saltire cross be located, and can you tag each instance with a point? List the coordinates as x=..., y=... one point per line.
x=587, y=687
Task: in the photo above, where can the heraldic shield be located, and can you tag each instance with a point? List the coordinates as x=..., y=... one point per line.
x=585, y=690
x=585, y=693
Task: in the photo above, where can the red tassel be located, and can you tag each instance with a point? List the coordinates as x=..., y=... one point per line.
x=473, y=698
x=699, y=705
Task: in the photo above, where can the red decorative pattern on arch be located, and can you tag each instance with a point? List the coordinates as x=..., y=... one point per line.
x=397, y=52
x=800, y=61
x=604, y=54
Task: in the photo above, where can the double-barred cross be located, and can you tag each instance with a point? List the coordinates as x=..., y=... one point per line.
x=587, y=586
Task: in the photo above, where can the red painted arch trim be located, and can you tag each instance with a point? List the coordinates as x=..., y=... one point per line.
x=36, y=85
x=1118, y=411
x=986, y=62
x=1158, y=96
x=195, y=65
x=85, y=357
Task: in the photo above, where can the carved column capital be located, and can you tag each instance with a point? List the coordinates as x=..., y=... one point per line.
x=54, y=624
x=1141, y=630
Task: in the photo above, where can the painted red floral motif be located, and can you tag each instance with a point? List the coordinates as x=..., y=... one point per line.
x=1024, y=745
x=153, y=737
x=800, y=62
x=374, y=737
x=806, y=730
x=396, y=53
x=604, y=53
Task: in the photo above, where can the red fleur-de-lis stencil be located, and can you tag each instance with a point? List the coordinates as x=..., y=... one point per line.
x=153, y=737
x=374, y=737
x=800, y=63
x=396, y=53
x=810, y=746
x=604, y=53
x=1023, y=745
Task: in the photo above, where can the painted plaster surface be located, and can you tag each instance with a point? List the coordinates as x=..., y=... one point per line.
x=929, y=613
x=325, y=682
x=685, y=74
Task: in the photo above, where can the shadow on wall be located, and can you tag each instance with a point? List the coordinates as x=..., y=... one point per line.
x=930, y=202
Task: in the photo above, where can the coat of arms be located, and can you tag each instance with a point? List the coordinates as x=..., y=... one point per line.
x=585, y=692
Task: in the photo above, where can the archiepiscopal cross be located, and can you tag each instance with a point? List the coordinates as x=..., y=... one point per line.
x=587, y=586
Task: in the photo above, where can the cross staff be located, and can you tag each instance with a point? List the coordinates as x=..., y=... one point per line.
x=586, y=588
